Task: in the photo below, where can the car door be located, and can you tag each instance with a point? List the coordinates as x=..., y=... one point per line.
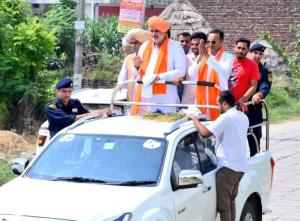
x=198, y=202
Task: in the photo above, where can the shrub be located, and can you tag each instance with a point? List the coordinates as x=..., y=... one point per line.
x=61, y=18
x=106, y=70
x=102, y=36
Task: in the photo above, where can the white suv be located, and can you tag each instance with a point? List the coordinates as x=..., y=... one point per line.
x=126, y=168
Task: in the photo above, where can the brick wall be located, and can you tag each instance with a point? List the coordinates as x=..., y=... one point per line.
x=248, y=18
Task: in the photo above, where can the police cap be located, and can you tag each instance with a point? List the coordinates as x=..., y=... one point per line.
x=64, y=83
x=257, y=47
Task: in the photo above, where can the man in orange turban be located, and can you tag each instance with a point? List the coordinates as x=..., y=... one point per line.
x=160, y=59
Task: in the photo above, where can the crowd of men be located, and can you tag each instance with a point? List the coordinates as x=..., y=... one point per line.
x=203, y=58
x=192, y=57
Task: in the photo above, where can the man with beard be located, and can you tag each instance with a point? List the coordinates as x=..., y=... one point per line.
x=244, y=74
x=189, y=91
x=134, y=39
x=184, y=38
x=213, y=65
x=230, y=129
x=160, y=58
x=195, y=42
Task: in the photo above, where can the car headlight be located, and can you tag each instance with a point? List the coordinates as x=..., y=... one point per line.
x=123, y=217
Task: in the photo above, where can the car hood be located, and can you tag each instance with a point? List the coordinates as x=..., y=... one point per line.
x=68, y=200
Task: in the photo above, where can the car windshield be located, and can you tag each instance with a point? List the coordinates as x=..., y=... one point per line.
x=107, y=159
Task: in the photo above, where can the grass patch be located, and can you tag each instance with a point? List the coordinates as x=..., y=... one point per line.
x=5, y=173
x=283, y=102
x=282, y=113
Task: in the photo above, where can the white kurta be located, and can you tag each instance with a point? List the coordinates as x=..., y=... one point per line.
x=123, y=75
x=189, y=91
x=176, y=69
x=222, y=67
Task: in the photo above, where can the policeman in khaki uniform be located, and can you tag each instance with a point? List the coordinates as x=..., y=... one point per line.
x=263, y=88
x=64, y=110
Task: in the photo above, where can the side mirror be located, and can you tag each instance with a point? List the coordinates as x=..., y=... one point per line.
x=18, y=165
x=190, y=178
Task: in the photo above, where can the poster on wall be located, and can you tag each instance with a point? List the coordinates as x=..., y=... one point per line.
x=131, y=14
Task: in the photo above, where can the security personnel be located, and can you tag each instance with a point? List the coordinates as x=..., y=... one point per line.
x=64, y=111
x=263, y=88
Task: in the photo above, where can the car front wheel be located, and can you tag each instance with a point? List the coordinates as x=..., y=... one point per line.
x=249, y=212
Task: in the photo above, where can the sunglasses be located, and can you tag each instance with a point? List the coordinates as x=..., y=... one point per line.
x=211, y=42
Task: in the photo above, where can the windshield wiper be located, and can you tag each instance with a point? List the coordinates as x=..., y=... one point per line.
x=79, y=180
x=137, y=182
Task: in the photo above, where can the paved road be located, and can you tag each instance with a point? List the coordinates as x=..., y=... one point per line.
x=285, y=198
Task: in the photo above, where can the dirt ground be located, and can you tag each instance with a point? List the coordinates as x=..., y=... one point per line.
x=13, y=144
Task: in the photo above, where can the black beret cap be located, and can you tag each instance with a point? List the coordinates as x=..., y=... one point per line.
x=64, y=83
x=257, y=47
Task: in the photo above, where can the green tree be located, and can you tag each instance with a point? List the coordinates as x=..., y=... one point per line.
x=25, y=46
x=289, y=84
x=61, y=18
x=294, y=55
x=102, y=35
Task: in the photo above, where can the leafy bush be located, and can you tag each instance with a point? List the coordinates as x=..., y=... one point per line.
x=292, y=56
x=107, y=70
x=275, y=46
x=284, y=98
x=3, y=113
x=25, y=46
x=278, y=98
x=102, y=36
x=61, y=18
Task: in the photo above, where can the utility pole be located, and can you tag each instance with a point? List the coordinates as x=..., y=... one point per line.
x=79, y=27
x=92, y=9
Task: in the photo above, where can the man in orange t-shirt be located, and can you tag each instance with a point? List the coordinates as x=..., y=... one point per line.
x=244, y=75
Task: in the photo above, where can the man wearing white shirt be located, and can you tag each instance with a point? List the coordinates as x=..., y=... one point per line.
x=133, y=39
x=230, y=129
x=161, y=59
x=214, y=66
x=184, y=38
x=189, y=91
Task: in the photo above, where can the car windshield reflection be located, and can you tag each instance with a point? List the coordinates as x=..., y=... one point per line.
x=105, y=159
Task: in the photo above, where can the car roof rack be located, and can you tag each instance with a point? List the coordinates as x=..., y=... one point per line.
x=126, y=103
x=183, y=122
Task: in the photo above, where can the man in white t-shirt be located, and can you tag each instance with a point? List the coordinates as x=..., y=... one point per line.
x=230, y=129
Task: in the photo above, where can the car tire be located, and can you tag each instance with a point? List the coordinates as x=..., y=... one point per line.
x=249, y=212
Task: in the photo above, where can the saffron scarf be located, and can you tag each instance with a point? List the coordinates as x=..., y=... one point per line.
x=161, y=67
x=208, y=96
